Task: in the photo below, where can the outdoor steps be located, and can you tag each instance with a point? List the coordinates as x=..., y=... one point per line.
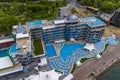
x=56, y=64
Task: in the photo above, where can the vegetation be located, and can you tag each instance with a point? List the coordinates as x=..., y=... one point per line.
x=106, y=45
x=105, y=5
x=73, y=11
x=14, y=12
x=38, y=48
x=73, y=69
x=83, y=60
x=59, y=71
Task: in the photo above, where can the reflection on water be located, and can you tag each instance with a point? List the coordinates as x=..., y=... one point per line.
x=113, y=73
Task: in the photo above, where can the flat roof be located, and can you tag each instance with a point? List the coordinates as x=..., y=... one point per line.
x=92, y=22
x=5, y=62
x=6, y=40
x=20, y=29
x=21, y=35
x=59, y=21
x=48, y=27
x=34, y=23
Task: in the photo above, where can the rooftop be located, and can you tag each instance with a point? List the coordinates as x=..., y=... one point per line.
x=34, y=23
x=45, y=24
x=5, y=62
x=92, y=22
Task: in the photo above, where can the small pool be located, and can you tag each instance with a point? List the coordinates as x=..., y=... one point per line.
x=3, y=52
x=50, y=50
x=69, y=48
x=111, y=40
x=13, y=49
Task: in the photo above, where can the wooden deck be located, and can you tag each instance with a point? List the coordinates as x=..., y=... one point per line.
x=111, y=55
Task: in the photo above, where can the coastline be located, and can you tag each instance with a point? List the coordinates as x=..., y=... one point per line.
x=113, y=66
x=95, y=66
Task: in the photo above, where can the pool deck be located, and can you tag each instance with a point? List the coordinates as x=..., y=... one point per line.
x=111, y=55
x=57, y=50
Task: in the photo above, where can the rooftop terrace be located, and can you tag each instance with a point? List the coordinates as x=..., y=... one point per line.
x=34, y=23
x=92, y=22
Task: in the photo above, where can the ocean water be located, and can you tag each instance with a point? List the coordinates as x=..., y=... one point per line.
x=112, y=73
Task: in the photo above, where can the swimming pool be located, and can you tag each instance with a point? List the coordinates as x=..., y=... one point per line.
x=3, y=52
x=111, y=40
x=50, y=50
x=13, y=49
x=69, y=48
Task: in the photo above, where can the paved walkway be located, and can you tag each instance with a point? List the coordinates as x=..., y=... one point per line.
x=111, y=55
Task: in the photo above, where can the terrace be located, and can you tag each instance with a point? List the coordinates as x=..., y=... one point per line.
x=92, y=22
x=73, y=52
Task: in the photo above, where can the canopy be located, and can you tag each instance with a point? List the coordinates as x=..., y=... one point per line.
x=72, y=39
x=69, y=77
x=5, y=62
x=43, y=62
x=90, y=47
x=49, y=75
x=78, y=63
x=98, y=56
x=59, y=41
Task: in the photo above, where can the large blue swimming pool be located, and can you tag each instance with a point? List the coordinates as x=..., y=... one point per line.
x=50, y=51
x=68, y=49
x=13, y=49
x=3, y=52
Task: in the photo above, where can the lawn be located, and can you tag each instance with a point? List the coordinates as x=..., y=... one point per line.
x=84, y=59
x=38, y=48
x=73, y=69
x=106, y=45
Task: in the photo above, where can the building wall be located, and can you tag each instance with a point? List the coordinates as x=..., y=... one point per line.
x=25, y=59
x=69, y=30
x=6, y=44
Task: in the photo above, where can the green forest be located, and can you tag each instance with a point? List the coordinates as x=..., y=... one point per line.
x=11, y=13
x=105, y=5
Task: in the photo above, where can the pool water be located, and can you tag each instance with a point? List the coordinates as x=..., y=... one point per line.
x=68, y=49
x=13, y=49
x=111, y=41
x=50, y=50
x=3, y=53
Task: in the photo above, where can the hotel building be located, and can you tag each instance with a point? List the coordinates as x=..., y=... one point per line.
x=89, y=29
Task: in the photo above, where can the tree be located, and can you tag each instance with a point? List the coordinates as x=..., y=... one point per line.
x=108, y=6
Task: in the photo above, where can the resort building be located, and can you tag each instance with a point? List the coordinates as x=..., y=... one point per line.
x=7, y=50
x=89, y=29
x=6, y=41
x=24, y=52
x=71, y=29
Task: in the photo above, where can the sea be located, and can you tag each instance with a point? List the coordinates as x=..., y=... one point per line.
x=112, y=73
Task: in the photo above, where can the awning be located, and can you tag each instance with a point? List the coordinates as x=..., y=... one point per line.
x=90, y=47
x=59, y=41
x=43, y=62
x=72, y=39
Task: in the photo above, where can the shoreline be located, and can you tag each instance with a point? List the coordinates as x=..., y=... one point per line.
x=97, y=66
x=108, y=69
